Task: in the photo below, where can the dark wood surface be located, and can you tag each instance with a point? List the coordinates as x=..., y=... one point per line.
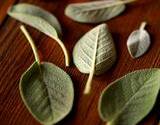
x=16, y=56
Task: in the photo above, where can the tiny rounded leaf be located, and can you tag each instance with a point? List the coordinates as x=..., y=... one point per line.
x=138, y=42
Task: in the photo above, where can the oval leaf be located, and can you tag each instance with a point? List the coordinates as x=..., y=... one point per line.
x=95, y=52
x=138, y=42
x=129, y=99
x=96, y=11
x=39, y=19
x=47, y=95
x=36, y=17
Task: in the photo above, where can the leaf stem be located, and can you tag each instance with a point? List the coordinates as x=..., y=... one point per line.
x=92, y=70
x=89, y=83
x=66, y=54
x=143, y=25
x=31, y=42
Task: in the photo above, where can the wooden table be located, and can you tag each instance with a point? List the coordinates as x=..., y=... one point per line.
x=16, y=56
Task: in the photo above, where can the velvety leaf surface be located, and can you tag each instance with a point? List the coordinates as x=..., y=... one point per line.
x=41, y=20
x=47, y=91
x=95, y=46
x=129, y=99
x=94, y=12
x=36, y=17
x=139, y=42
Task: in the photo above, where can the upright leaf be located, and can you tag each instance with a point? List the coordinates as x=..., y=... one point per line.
x=94, y=53
x=129, y=99
x=95, y=11
x=39, y=19
x=47, y=95
x=138, y=42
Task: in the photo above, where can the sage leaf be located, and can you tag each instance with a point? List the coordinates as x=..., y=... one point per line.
x=47, y=95
x=95, y=11
x=129, y=99
x=36, y=17
x=40, y=19
x=94, y=53
x=138, y=42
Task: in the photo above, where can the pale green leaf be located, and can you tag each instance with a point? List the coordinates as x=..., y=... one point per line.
x=95, y=11
x=36, y=17
x=138, y=42
x=47, y=95
x=129, y=99
x=40, y=19
x=95, y=52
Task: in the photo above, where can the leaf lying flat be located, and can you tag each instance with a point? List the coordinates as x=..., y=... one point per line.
x=96, y=11
x=95, y=52
x=40, y=19
x=138, y=42
x=47, y=95
x=129, y=99
x=36, y=17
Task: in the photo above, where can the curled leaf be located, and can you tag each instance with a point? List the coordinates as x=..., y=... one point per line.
x=46, y=94
x=96, y=11
x=94, y=53
x=129, y=99
x=39, y=19
x=138, y=42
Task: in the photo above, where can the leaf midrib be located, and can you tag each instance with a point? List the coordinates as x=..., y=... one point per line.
x=49, y=96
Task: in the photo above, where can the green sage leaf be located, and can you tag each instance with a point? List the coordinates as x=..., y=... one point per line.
x=95, y=11
x=94, y=53
x=46, y=94
x=138, y=42
x=40, y=19
x=36, y=17
x=129, y=99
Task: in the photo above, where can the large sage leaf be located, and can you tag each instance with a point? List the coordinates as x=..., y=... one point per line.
x=94, y=53
x=39, y=19
x=95, y=11
x=129, y=99
x=138, y=42
x=47, y=95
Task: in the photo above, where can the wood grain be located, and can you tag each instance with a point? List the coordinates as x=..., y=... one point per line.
x=16, y=56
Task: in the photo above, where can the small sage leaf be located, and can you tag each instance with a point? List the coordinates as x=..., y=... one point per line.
x=138, y=42
x=95, y=11
x=39, y=19
x=94, y=53
x=129, y=99
x=46, y=94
